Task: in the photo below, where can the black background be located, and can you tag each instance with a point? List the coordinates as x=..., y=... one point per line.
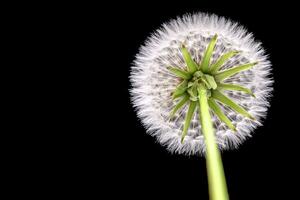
x=84, y=138
x=262, y=168
x=113, y=153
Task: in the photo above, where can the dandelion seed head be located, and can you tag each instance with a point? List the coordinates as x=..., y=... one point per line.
x=152, y=83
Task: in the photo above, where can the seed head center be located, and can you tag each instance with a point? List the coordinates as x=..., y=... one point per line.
x=199, y=79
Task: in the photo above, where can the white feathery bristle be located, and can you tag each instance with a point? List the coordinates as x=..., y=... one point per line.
x=152, y=83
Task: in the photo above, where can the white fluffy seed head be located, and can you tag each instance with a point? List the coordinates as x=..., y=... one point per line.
x=152, y=83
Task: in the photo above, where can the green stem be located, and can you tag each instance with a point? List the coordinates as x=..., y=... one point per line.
x=215, y=172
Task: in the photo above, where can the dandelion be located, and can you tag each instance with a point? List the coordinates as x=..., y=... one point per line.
x=199, y=84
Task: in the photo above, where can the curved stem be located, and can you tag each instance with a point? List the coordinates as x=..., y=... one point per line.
x=215, y=172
